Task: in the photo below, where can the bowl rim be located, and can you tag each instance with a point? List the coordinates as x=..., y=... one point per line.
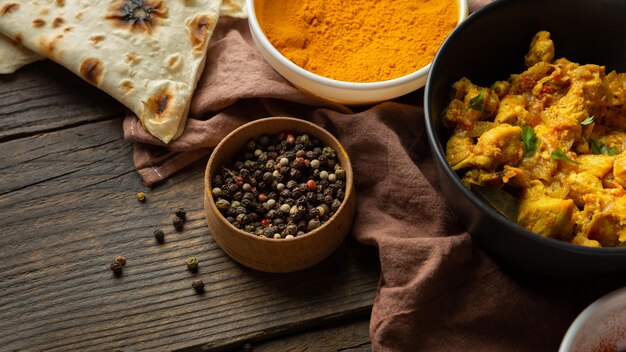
x=574, y=329
x=439, y=153
x=256, y=29
x=348, y=167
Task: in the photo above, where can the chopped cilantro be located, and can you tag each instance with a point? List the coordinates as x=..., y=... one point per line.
x=598, y=147
x=587, y=121
x=558, y=154
x=530, y=141
x=478, y=102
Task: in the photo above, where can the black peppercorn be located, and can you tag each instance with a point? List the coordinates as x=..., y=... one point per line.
x=181, y=213
x=299, y=164
x=245, y=173
x=159, y=235
x=319, y=197
x=178, y=223
x=246, y=203
x=268, y=177
x=198, y=285
x=295, y=174
x=116, y=268
x=218, y=181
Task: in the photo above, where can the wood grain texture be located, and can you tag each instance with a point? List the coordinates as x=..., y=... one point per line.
x=45, y=96
x=348, y=337
x=343, y=336
x=68, y=207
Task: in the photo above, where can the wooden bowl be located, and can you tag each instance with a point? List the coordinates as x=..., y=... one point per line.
x=268, y=254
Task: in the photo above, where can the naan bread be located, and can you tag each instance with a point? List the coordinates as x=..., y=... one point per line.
x=148, y=54
x=13, y=55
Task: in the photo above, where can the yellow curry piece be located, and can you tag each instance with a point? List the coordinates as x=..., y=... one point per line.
x=553, y=135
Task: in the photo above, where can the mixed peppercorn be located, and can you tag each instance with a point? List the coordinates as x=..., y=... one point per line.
x=281, y=186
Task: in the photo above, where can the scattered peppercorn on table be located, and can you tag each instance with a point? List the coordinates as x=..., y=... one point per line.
x=76, y=216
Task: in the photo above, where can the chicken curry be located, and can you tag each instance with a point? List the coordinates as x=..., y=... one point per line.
x=555, y=137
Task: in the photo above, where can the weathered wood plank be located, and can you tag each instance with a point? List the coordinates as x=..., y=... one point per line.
x=347, y=337
x=68, y=207
x=44, y=96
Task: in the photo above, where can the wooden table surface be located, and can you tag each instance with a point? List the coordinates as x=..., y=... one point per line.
x=68, y=207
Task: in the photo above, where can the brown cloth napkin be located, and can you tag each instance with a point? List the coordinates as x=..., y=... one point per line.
x=437, y=292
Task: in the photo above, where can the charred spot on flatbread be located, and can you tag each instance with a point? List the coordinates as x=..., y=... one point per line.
x=132, y=58
x=60, y=3
x=57, y=22
x=96, y=39
x=199, y=30
x=18, y=38
x=126, y=86
x=9, y=8
x=48, y=47
x=92, y=70
x=137, y=15
x=38, y=23
x=160, y=103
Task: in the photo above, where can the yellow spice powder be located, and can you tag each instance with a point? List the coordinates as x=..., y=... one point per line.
x=358, y=40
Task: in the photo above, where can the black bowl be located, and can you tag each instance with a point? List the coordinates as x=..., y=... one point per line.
x=488, y=46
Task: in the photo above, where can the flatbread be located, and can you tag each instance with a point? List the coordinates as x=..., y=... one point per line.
x=11, y=60
x=148, y=54
x=13, y=55
x=234, y=8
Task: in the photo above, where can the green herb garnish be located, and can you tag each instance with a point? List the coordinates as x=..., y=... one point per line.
x=587, y=121
x=530, y=141
x=503, y=202
x=558, y=154
x=478, y=102
x=598, y=147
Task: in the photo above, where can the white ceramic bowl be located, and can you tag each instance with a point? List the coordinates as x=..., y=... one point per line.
x=338, y=91
x=600, y=327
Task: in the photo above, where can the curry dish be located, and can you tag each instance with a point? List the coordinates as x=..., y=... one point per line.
x=555, y=137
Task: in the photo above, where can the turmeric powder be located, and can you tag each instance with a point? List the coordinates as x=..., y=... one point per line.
x=358, y=40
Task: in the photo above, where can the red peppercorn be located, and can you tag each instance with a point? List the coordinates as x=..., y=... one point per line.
x=311, y=184
x=291, y=139
x=265, y=222
x=262, y=197
x=239, y=181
